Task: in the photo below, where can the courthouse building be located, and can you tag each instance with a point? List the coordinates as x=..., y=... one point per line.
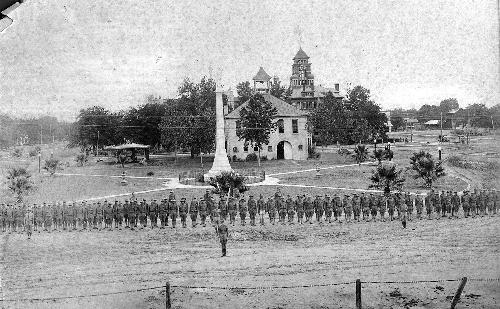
x=290, y=140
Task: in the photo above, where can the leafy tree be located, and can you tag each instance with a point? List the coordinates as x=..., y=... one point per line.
x=227, y=182
x=142, y=124
x=96, y=125
x=387, y=177
x=360, y=153
x=189, y=121
x=277, y=89
x=426, y=168
x=388, y=154
x=81, y=159
x=19, y=182
x=257, y=122
x=51, y=165
x=17, y=153
x=353, y=120
x=244, y=91
x=448, y=105
x=397, y=123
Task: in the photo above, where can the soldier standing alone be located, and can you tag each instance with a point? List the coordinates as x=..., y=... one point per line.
x=222, y=232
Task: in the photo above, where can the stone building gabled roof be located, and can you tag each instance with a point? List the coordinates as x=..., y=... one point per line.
x=301, y=55
x=284, y=109
x=262, y=75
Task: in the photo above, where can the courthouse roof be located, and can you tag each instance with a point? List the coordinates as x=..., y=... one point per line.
x=301, y=55
x=283, y=109
x=262, y=75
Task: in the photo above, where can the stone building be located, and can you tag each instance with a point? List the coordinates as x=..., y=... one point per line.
x=305, y=94
x=289, y=141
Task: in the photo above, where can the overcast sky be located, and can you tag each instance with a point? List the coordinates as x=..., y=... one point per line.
x=63, y=55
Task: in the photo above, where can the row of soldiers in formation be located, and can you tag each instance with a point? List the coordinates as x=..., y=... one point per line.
x=135, y=214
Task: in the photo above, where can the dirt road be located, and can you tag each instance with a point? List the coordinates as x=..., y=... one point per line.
x=78, y=263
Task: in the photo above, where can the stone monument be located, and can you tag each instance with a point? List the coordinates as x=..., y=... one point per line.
x=221, y=163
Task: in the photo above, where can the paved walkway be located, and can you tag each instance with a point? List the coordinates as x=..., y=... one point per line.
x=321, y=168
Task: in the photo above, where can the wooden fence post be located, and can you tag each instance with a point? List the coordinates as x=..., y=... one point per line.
x=458, y=293
x=358, y=294
x=168, y=304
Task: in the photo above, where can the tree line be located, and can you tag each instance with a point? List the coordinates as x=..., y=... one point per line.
x=31, y=131
x=474, y=115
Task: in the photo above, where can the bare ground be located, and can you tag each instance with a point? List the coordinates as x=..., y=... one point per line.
x=76, y=263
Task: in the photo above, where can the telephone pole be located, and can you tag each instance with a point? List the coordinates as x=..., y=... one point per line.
x=441, y=123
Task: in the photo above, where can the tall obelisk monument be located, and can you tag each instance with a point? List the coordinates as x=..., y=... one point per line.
x=221, y=163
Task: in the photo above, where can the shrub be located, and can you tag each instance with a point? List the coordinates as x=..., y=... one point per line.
x=263, y=158
x=343, y=152
x=19, y=182
x=51, y=165
x=387, y=177
x=81, y=159
x=251, y=157
x=17, y=153
x=228, y=182
x=426, y=168
x=150, y=173
x=360, y=153
x=312, y=153
x=33, y=153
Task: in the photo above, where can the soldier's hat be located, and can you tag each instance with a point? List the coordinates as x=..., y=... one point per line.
x=194, y=198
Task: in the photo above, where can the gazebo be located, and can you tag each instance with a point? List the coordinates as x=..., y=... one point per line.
x=133, y=147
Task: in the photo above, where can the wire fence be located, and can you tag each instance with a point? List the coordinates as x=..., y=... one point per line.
x=209, y=287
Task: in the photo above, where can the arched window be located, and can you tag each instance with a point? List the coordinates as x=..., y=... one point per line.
x=281, y=126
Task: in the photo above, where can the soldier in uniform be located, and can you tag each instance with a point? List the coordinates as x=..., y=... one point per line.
x=132, y=214
x=290, y=205
x=409, y=204
x=449, y=204
x=356, y=205
x=373, y=205
x=223, y=207
x=419, y=205
x=365, y=206
x=328, y=207
x=428, y=204
x=318, y=208
x=28, y=222
x=281, y=207
x=203, y=211
x=337, y=207
x=437, y=205
x=243, y=209
x=261, y=208
x=466, y=204
x=126, y=211
x=271, y=210
x=48, y=215
x=108, y=215
x=455, y=201
x=183, y=211
x=299, y=208
x=223, y=233
x=173, y=210
x=390, y=206
x=193, y=211
x=87, y=216
x=382, y=206
x=347, y=207
x=403, y=213
x=2, y=217
x=72, y=215
x=163, y=213
x=119, y=214
x=153, y=213
x=64, y=215
x=491, y=202
x=309, y=209
x=171, y=202
x=231, y=207
x=444, y=203
x=398, y=201
x=252, y=209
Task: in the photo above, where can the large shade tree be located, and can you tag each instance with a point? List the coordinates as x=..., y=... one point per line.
x=257, y=122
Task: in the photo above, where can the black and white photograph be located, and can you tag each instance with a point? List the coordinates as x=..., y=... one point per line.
x=301, y=154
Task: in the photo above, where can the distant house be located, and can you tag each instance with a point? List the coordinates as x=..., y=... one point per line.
x=290, y=140
x=432, y=124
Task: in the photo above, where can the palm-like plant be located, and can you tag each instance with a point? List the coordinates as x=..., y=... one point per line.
x=426, y=168
x=51, y=165
x=387, y=177
x=19, y=182
x=228, y=182
x=379, y=155
x=360, y=153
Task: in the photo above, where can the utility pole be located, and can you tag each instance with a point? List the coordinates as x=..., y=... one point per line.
x=41, y=136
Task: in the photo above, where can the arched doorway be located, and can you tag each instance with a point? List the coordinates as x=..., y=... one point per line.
x=284, y=150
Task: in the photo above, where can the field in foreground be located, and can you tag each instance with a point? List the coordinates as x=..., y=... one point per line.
x=76, y=263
